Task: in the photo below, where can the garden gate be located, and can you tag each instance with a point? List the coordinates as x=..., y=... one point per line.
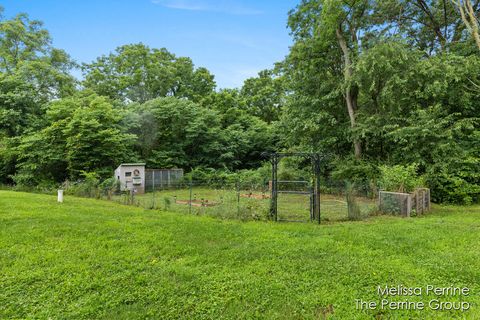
x=314, y=192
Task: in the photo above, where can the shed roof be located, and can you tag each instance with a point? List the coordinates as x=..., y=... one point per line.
x=131, y=164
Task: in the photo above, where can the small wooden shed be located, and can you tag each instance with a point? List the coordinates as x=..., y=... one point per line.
x=131, y=176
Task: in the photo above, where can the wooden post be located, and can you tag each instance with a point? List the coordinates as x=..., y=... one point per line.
x=428, y=199
x=409, y=205
x=380, y=204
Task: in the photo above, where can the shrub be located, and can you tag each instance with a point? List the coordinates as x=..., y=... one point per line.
x=354, y=170
x=210, y=176
x=353, y=207
x=45, y=187
x=400, y=178
x=109, y=186
x=87, y=187
x=453, y=187
x=254, y=179
x=167, y=203
x=244, y=179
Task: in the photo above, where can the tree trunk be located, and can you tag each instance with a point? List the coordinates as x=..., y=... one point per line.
x=469, y=18
x=350, y=93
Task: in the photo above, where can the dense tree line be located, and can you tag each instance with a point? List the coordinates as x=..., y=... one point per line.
x=393, y=82
x=369, y=83
x=135, y=104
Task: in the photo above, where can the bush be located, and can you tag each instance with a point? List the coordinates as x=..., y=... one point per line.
x=453, y=187
x=400, y=178
x=294, y=168
x=255, y=179
x=45, y=187
x=244, y=179
x=109, y=186
x=88, y=187
x=210, y=176
x=354, y=170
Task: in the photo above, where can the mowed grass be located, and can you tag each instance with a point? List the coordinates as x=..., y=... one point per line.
x=91, y=259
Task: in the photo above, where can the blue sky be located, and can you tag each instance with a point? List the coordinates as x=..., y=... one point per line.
x=234, y=39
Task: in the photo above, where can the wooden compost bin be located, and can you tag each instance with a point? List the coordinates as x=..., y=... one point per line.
x=404, y=203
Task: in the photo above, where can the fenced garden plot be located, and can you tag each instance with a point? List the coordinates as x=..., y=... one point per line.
x=247, y=202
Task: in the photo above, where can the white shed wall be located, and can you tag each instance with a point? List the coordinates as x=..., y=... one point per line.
x=127, y=182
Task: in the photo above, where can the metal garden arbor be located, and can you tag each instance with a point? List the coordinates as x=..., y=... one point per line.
x=314, y=192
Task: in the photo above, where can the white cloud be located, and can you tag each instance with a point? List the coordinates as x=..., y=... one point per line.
x=210, y=6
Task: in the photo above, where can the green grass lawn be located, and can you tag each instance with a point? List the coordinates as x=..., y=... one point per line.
x=90, y=259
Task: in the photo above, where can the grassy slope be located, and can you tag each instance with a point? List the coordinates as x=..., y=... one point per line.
x=95, y=259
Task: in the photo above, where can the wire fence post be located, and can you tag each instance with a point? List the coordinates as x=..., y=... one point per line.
x=237, y=185
x=190, y=198
x=316, y=186
x=153, y=190
x=274, y=201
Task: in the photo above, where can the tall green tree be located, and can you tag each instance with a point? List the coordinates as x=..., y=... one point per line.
x=264, y=95
x=137, y=73
x=332, y=32
x=469, y=13
x=175, y=132
x=95, y=141
x=180, y=134
x=32, y=73
x=21, y=39
x=83, y=134
x=430, y=25
x=26, y=52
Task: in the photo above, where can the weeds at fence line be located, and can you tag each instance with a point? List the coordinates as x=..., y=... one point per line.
x=339, y=201
x=354, y=212
x=239, y=201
